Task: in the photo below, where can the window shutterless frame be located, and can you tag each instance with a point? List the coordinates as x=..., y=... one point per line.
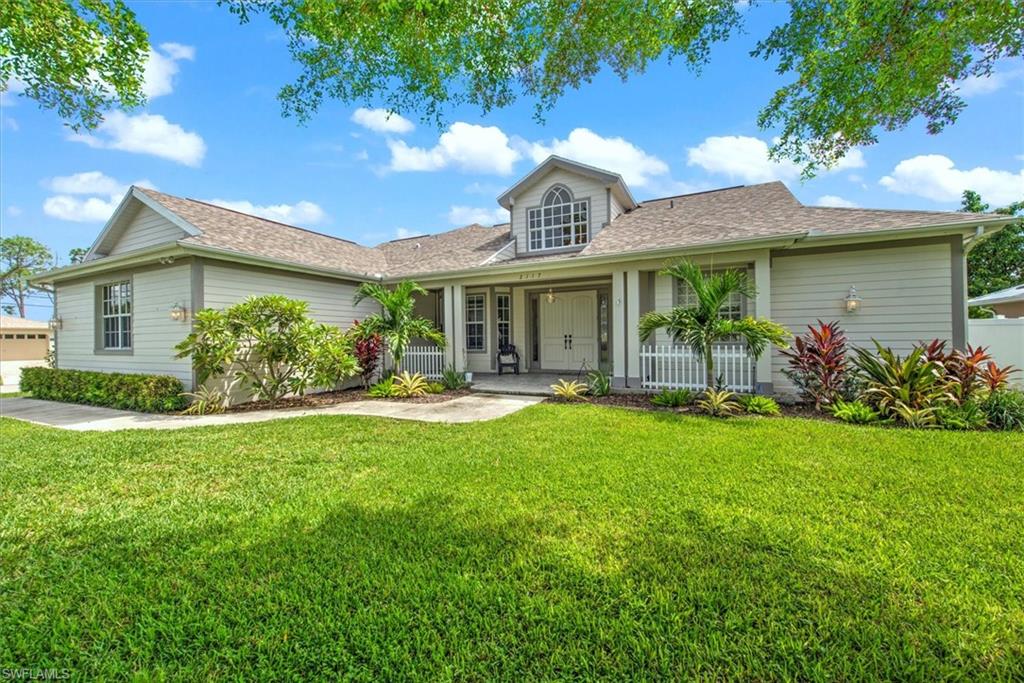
x=476, y=322
x=560, y=222
x=114, y=317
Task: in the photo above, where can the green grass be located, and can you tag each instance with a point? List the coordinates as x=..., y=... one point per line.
x=13, y=394
x=566, y=541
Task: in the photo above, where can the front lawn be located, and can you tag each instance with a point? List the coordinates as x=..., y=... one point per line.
x=565, y=541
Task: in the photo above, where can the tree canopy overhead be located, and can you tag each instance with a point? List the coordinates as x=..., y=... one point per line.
x=853, y=66
x=998, y=262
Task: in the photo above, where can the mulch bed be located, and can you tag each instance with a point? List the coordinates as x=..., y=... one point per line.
x=328, y=398
x=639, y=401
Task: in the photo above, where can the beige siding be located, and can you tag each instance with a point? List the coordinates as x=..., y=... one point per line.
x=154, y=293
x=330, y=301
x=582, y=187
x=615, y=209
x=907, y=293
x=146, y=229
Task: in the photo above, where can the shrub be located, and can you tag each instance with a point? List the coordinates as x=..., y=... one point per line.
x=996, y=378
x=435, y=388
x=759, y=405
x=672, y=398
x=270, y=345
x=385, y=388
x=818, y=365
x=910, y=388
x=967, y=415
x=961, y=370
x=1004, y=409
x=718, y=402
x=408, y=386
x=600, y=383
x=855, y=412
x=452, y=379
x=570, y=391
x=206, y=401
x=367, y=348
x=148, y=393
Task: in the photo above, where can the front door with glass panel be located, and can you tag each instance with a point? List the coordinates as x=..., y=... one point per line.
x=568, y=330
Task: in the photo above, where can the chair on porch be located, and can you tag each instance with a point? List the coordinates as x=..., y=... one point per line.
x=508, y=357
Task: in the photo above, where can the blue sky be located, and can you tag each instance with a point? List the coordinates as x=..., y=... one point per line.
x=213, y=130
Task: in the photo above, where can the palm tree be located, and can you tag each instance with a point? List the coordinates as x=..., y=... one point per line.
x=700, y=326
x=396, y=323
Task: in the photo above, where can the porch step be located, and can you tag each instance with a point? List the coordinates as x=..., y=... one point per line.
x=526, y=384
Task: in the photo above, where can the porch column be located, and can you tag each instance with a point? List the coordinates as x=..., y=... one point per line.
x=618, y=320
x=519, y=315
x=634, y=295
x=454, y=326
x=763, y=309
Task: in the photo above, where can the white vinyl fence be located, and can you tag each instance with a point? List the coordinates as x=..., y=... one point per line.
x=426, y=360
x=1004, y=338
x=669, y=366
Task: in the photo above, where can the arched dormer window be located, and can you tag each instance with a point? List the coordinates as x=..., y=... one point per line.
x=559, y=221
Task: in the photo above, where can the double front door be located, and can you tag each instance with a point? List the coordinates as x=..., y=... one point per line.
x=568, y=330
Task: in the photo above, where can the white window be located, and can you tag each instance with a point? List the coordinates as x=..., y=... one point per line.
x=475, y=322
x=116, y=315
x=559, y=221
x=734, y=308
x=504, y=311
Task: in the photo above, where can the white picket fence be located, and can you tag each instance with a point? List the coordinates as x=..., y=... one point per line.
x=669, y=366
x=426, y=360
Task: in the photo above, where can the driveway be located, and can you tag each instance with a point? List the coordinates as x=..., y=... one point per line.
x=76, y=417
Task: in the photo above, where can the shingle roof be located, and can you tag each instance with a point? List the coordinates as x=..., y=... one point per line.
x=700, y=219
x=223, y=228
x=10, y=322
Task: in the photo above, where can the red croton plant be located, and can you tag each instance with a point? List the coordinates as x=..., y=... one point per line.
x=367, y=350
x=818, y=364
x=969, y=370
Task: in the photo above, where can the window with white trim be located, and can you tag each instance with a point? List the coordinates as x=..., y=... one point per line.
x=116, y=315
x=559, y=221
x=475, y=322
x=734, y=308
x=503, y=306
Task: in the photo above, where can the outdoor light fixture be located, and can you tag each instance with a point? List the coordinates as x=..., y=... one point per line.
x=178, y=313
x=56, y=322
x=551, y=296
x=852, y=300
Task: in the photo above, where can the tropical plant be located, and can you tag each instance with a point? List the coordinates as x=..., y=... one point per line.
x=600, y=383
x=453, y=379
x=759, y=405
x=961, y=369
x=718, y=402
x=700, y=326
x=1004, y=409
x=818, y=365
x=270, y=345
x=907, y=388
x=205, y=401
x=396, y=323
x=855, y=412
x=407, y=386
x=964, y=416
x=366, y=347
x=435, y=388
x=995, y=378
x=672, y=398
x=569, y=390
x=917, y=418
x=384, y=388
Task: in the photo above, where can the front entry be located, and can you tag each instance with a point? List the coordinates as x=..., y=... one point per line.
x=568, y=331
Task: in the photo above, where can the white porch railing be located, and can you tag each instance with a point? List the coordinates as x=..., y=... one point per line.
x=426, y=360
x=670, y=366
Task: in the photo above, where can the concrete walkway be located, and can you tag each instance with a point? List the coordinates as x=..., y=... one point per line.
x=92, y=418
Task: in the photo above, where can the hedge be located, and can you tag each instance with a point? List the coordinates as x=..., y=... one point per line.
x=148, y=393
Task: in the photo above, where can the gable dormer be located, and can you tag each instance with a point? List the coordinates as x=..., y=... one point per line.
x=561, y=205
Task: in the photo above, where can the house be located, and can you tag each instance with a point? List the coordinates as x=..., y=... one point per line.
x=566, y=280
x=1008, y=302
x=23, y=343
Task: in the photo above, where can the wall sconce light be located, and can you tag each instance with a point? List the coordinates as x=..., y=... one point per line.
x=56, y=323
x=852, y=300
x=178, y=313
x=551, y=296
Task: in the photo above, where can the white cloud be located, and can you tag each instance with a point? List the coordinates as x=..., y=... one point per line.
x=402, y=233
x=464, y=146
x=745, y=158
x=107, y=194
x=381, y=121
x=8, y=97
x=300, y=213
x=146, y=134
x=14, y=211
x=361, y=155
x=10, y=123
x=935, y=177
x=618, y=155
x=464, y=215
x=162, y=67
x=835, y=201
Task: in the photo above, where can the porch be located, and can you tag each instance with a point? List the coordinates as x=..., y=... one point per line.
x=526, y=384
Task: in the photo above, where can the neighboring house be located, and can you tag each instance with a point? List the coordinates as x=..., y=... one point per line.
x=566, y=280
x=23, y=343
x=1008, y=302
